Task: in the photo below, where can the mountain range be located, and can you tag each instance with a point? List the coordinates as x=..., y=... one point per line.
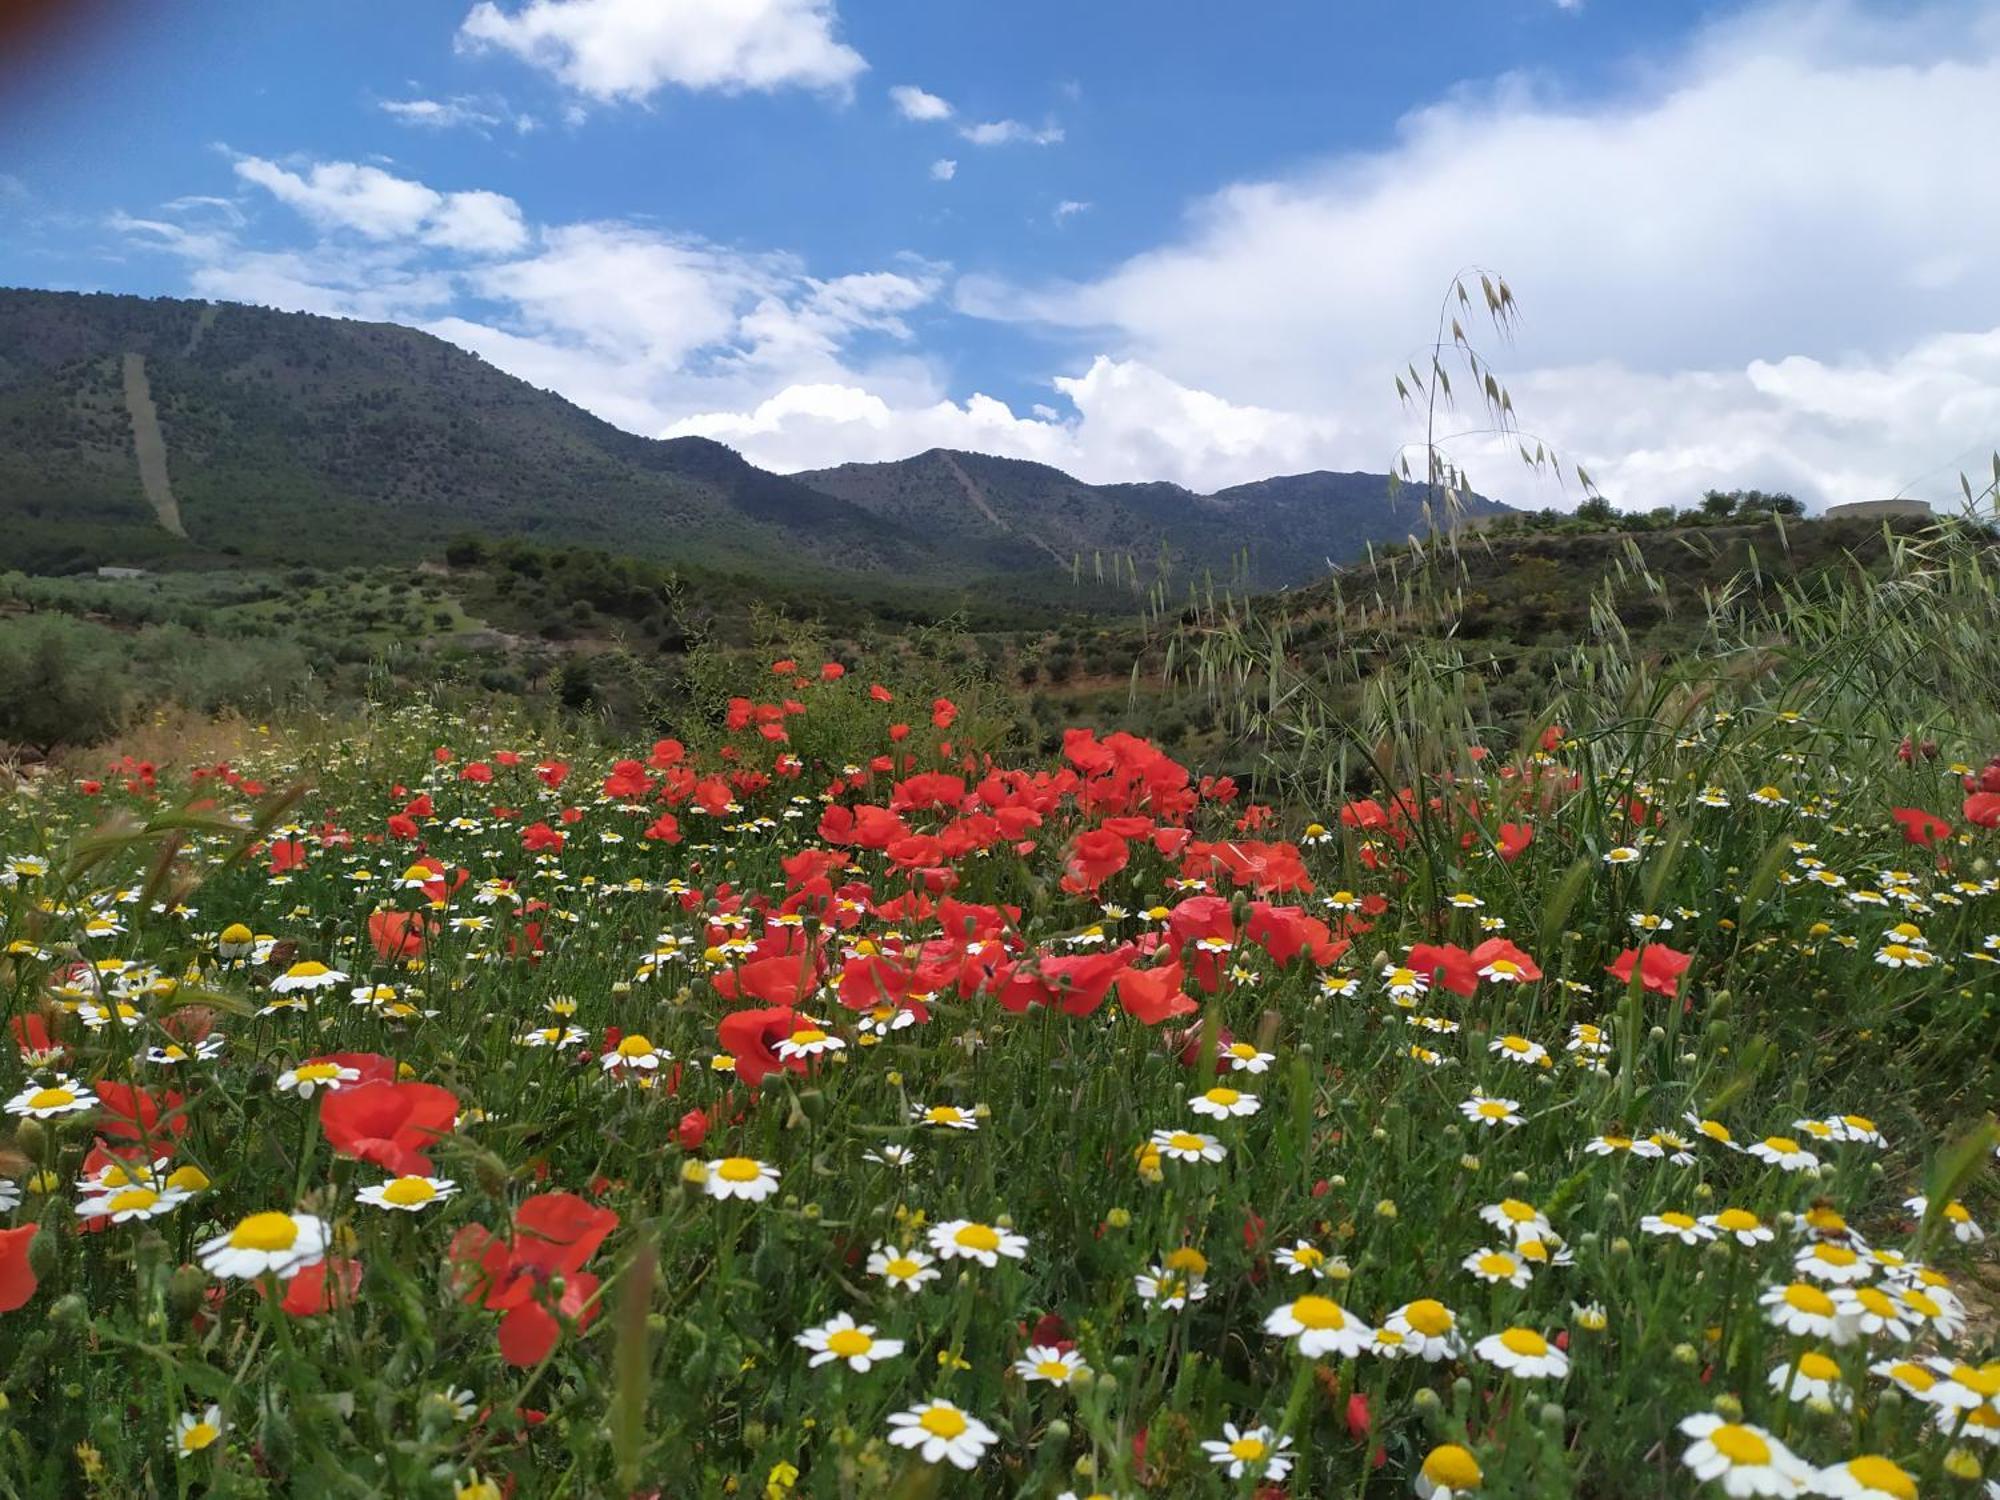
x=150, y=430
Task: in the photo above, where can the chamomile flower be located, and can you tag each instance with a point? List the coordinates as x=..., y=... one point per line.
x=1740, y=1225
x=1963, y=1228
x=1518, y=1049
x=408, y=1194
x=1250, y=1450
x=741, y=1177
x=633, y=1054
x=122, y=1205
x=942, y=1433
x=1428, y=1328
x=1404, y=984
x=1448, y=1472
x=890, y=1156
x=841, y=1338
x=45, y=1101
x=1046, y=1363
x=1244, y=1058
x=1800, y=1307
x=1782, y=1152
x=306, y=977
x=907, y=1270
x=1188, y=1146
x=308, y=1078
x=1745, y=1460
x=967, y=1239
x=196, y=1431
x=1490, y=1112
x=1869, y=1477
x=1523, y=1352
x=1813, y=1377
x=1496, y=1266
x=1224, y=1104
x=1874, y=1312
x=1832, y=1262
x=1673, y=1224
x=807, y=1041
x=271, y=1243
x=944, y=1116
x=1303, y=1259
x=1320, y=1326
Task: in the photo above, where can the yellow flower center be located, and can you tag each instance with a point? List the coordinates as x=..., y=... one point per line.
x=1451, y=1467
x=1187, y=1258
x=977, y=1237
x=1835, y=1255
x=1816, y=1366
x=1309, y=1255
x=131, y=1198
x=318, y=1072
x=1915, y=1376
x=270, y=1231
x=1781, y=1143
x=188, y=1179
x=1525, y=1341
x=847, y=1342
x=808, y=1036
x=1318, y=1313
x=1224, y=1097
x=1183, y=1140
x=310, y=969
x=1740, y=1445
x=1736, y=1220
x=51, y=1098
x=738, y=1169
x=1498, y=1265
x=1247, y=1449
x=1873, y=1472
x=199, y=1437
x=1921, y=1304
x=1983, y=1382
x=634, y=1046
x=1808, y=1299
x=944, y=1114
x=1876, y=1302
x=1519, y=1212
x=405, y=1191
x=1493, y=1109
x=1674, y=1219
x=1429, y=1317
x=942, y=1421
x=1053, y=1369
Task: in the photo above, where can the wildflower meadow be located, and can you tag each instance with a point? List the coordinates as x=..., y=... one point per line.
x=835, y=1099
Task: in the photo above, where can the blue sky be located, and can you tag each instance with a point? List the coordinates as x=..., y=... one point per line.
x=1122, y=237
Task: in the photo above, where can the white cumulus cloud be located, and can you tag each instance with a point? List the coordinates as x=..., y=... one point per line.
x=631, y=49
x=912, y=103
x=1011, y=133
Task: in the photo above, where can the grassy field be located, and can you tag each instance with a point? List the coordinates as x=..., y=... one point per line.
x=850, y=1097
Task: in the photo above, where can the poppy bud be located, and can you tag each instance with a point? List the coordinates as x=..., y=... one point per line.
x=44, y=1253
x=693, y=1130
x=31, y=1136
x=69, y=1311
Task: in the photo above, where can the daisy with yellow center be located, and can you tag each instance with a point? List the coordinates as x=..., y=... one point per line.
x=808, y=1041
x=1743, y=1459
x=1814, y=1377
x=274, y=1244
x=1802, y=1308
x=741, y=1177
x=1224, y=1103
x=1832, y=1262
x=1523, y=1352
x=124, y=1204
x=1518, y=1049
x=1784, y=1153
x=906, y=1270
x=307, y=976
x=195, y=1432
x=966, y=1239
x=1250, y=1450
x=1495, y=1266
x=841, y=1338
x=1244, y=1058
x=1428, y=1328
x=408, y=1194
x=1188, y=1146
x=634, y=1053
x=1675, y=1225
x=1740, y=1225
x=1303, y=1259
x=1044, y=1362
x=945, y=1116
x=44, y=1101
x=1448, y=1471
x=1490, y=1113
x=942, y=1433
x=1320, y=1326
x=1869, y=1477
x=309, y=1077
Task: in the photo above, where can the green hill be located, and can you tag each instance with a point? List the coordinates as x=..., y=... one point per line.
x=156, y=431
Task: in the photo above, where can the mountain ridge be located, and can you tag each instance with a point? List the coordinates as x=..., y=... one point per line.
x=297, y=437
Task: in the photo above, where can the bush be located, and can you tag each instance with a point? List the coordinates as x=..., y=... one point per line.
x=62, y=682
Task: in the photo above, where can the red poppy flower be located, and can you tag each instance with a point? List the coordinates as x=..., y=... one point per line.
x=1154, y=995
x=1660, y=969
x=750, y=1036
x=1920, y=827
x=392, y=1125
x=553, y=1235
x=17, y=1277
x=133, y=1114
x=1982, y=809
x=321, y=1288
